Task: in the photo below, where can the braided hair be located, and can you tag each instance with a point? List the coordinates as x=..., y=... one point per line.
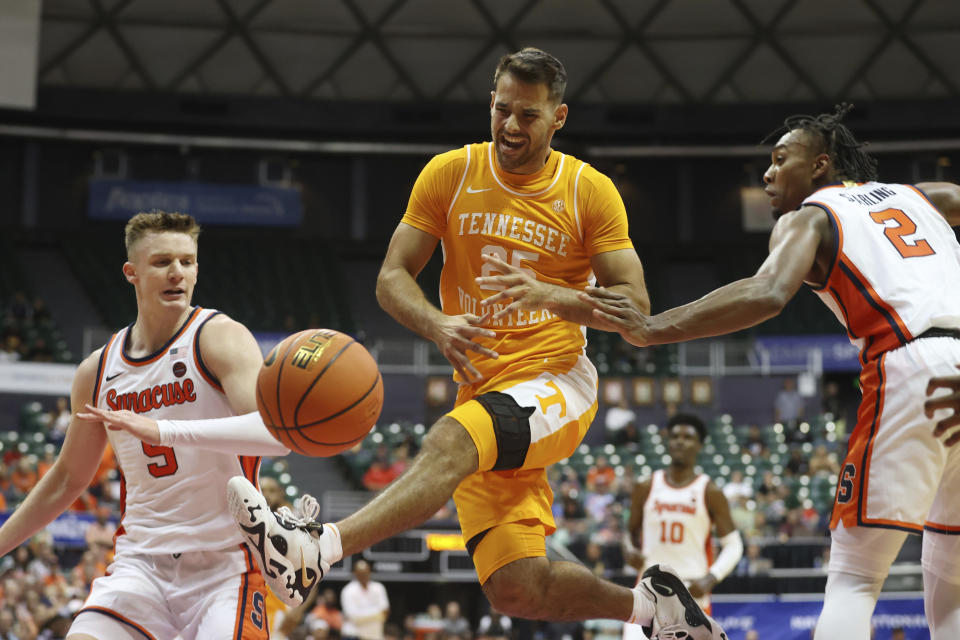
x=837, y=141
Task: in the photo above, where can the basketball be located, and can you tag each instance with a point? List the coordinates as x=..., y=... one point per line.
x=319, y=392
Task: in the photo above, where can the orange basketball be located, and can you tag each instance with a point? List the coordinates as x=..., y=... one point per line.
x=319, y=392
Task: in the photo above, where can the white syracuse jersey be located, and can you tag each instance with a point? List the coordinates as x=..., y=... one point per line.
x=896, y=271
x=676, y=526
x=173, y=499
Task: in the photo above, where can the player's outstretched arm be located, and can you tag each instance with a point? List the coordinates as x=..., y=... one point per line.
x=400, y=296
x=731, y=544
x=70, y=475
x=738, y=305
x=945, y=196
x=232, y=355
x=619, y=270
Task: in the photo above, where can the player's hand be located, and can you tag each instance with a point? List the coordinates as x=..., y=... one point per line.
x=635, y=559
x=141, y=427
x=616, y=312
x=456, y=335
x=702, y=586
x=520, y=290
x=948, y=401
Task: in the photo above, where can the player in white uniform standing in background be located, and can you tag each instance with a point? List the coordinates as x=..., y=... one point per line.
x=180, y=568
x=886, y=262
x=672, y=515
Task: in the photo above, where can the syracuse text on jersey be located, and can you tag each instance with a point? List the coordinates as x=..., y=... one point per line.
x=160, y=395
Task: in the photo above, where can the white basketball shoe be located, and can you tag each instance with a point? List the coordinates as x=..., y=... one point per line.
x=678, y=616
x=291, y=560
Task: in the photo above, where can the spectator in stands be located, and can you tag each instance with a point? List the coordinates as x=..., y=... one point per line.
x=273, y=492
x=797, y=464
x=744, y=518
x=46, y=462
x=20, y=308
x=39, y=312
x=754, y=563
x=823, y=461
x=618, y=417
x=600, y=471
x=738, y=487
x=593, y=559
x=365, y=605
x=629, y=435
x=379, y=475
x=24, y=476
x=454, y=624
x=598, y=499
x=100, y=532
x=788, y=405
x=401, y=459
x=12, y=349
x=755, y=442
x=59, y=421
x=494, y=626
x=328, y=611
x=39, y=351
x=897, y=633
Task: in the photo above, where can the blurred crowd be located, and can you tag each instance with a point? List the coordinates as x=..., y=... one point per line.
x=26, y=328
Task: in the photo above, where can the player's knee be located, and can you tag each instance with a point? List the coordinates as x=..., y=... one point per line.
x=516, y=591
x=448, y=442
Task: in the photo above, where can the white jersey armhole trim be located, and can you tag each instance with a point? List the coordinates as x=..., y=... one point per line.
x=493, y=172
x=463, y=178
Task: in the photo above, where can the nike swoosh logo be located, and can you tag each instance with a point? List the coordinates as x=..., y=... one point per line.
x=472, y=190
x=109, y=378
x=303, y=569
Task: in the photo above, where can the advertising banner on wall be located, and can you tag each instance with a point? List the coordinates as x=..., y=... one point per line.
x=796, y=619
x=208, y=203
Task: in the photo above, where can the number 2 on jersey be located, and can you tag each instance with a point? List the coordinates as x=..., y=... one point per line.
x=163, y=469
x=905, y=227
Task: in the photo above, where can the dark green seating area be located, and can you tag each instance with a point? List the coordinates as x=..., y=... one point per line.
x=39, y=336
x=270, y=281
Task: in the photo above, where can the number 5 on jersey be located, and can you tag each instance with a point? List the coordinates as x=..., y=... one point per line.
x=515, y=260
x=163, y=469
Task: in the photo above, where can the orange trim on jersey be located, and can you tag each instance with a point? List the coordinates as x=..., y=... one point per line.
x=120, y=618
x=941, y=528
x=251, y=469
x=855, y=471
x=869, y=316
x=205, y=373
x=101, y=365
x=140, y=362
x=121, y=531
x=251, y=622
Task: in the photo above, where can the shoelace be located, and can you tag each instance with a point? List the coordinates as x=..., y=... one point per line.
x=305, y=516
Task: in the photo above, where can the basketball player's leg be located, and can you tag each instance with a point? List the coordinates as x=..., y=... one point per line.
x=447, y=456
x=124, y=604
x=860, y=558
x=941, y=554
x=520, y=581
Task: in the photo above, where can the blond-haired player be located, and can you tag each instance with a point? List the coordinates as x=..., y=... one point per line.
x=523, y=228
x=180, y=569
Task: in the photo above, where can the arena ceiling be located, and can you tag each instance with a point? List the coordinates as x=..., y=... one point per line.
x=646, y=52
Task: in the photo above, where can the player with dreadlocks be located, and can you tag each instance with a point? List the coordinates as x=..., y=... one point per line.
x=884, y=259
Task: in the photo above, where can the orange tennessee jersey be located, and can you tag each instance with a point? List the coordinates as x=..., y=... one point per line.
x=549, y=223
